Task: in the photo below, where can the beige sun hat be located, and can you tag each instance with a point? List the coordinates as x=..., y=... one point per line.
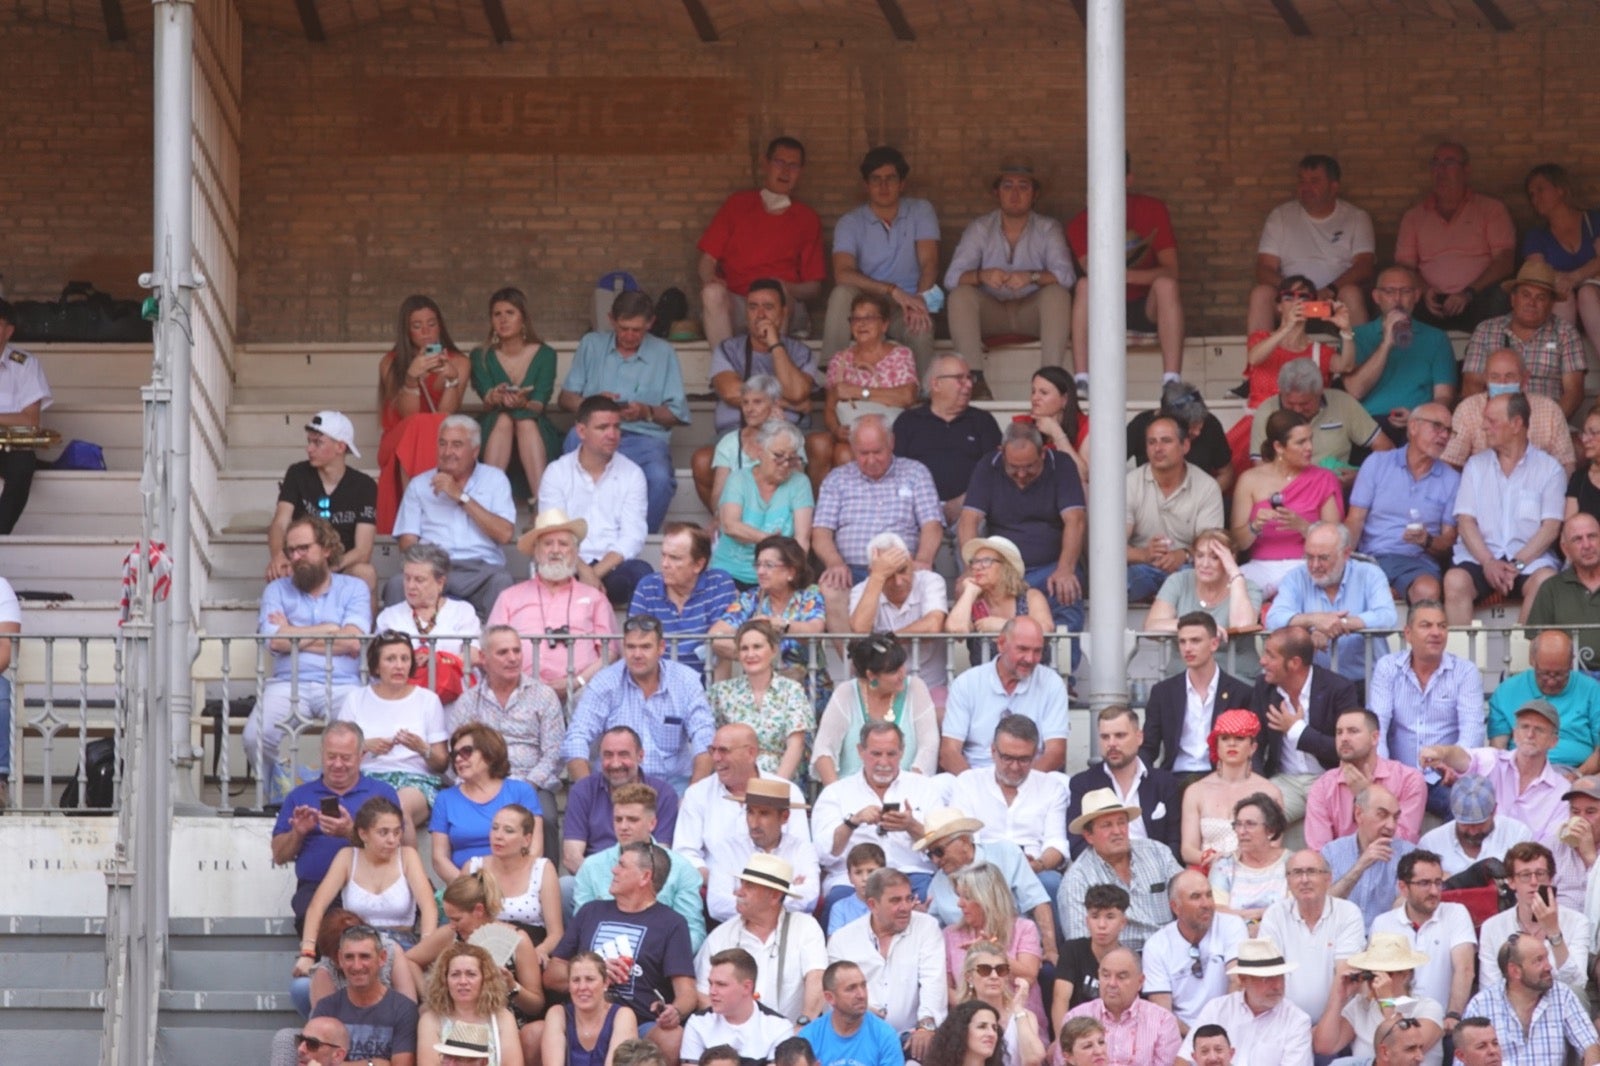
x=1388, y=952
x=1260, y=957
x=1096, y=803
x=551, y=520
x=770, y=871
x=1001, y=546
x=945, y=822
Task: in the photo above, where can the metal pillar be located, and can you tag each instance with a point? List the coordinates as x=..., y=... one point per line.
x=1108, y=447
x=156, y=685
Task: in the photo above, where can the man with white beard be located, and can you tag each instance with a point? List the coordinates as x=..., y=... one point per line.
x=1336, y=598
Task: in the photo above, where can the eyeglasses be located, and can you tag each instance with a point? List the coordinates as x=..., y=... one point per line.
x=465, y=751
x=784, y=458
x=1538, y=877
x=983, y=562
x=1306, y=871
x=1197, y=965
x=1435, y=425
x=952, y=377
x=1013, y=760
x=292, y=550
x=1426, y=882
x=1240, y=823
x=324, y=508
x=992, y=969
x=555, y=631
x=936, y=853
x=642, y=623
x=314, y=1045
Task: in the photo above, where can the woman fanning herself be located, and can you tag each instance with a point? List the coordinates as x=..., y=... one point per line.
x=586, y=1031
x=403, y=723
x=420, y=383
x=530, y=888
x=382, y=882
x=872, y=376
x=467, y=995
x=776, y=707
x=1276, y=502
x=472, y=905
x=1209, y=803
x=514, y=375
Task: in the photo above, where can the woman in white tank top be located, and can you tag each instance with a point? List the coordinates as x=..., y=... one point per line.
x=530, y=889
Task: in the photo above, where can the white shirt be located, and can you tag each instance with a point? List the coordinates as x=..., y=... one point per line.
x=1338, y=933
x=1168, y=958
x=1509, y=510
x=613, y=505
x=10, y=606
x=850, y=794
x=420, y=712
x=22, y=381
x=1441, y=840
x=1295, y=761
x=1448, y=928
x=437, y=519
x=708, y=812
x=1280, y=1037
x=730, y=853
x=806, y=952
x=1194, y=754
x=891, y=990
x=755, y=1038
x=1130, y=798
x=1319, y=248
x=1575, y=930
x=455, y=618
x=1034, y=821
x=928, y=594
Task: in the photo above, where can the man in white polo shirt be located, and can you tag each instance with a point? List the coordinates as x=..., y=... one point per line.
x=1315, y=928
x=1441, y=931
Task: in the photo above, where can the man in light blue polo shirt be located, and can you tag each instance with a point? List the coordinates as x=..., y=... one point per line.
x=315, y=618
x=1402, y=509
x=464, y=507
x=888, y=245
x=640, y=372
x=1336, y=598
x=1394, y=373
x=1010, y=683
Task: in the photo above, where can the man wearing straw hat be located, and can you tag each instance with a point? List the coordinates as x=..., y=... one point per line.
x=1140, y=865
x=767, y=804
x=950, y=842
x=789, y=948
x=1265, y=1028
x=1550, y=348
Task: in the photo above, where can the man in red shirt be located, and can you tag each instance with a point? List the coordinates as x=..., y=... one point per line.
x=1153, y=302
x=760, y=233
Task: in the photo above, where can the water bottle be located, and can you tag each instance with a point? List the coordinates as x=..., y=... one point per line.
x=1415, y=524
x=1402, y=333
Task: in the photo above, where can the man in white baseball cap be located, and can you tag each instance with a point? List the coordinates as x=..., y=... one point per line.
x=326, y=487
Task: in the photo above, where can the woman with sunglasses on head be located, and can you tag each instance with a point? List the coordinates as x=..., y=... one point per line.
x=464, y=813
x=380, y=880
x=988, y=985
x=771, y=498
x=420, y=383
x=989, y=914
x=776, y=707
x=881, y=691
x=403, y=724
x=514, y=373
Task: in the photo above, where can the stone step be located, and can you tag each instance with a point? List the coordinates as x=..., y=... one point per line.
x=106, y=501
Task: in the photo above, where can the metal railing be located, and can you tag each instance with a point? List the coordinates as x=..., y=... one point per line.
x=69, y=701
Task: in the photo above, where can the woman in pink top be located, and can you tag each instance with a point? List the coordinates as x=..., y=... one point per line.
x=989, y=913
x=1276, y=502
x=872, y=376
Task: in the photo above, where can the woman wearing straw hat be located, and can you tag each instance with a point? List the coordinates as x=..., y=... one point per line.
x=1371, y=987
x=991, y=592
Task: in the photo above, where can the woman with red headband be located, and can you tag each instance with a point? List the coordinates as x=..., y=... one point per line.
x=1208, y=804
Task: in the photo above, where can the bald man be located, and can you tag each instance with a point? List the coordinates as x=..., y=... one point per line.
x=1402, y=509
x=705, y=815
x=1568, y=599
x=1126, y=1016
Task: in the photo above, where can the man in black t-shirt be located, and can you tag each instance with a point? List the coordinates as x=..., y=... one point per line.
x=947, y=434
x=326, y=487
x=1208, y=442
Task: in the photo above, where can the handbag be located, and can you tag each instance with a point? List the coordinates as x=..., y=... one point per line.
x=449, y=676
x=82, y=314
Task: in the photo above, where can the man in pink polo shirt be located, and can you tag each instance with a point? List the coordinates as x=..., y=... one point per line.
x=1331, y=802
x=1462, y=243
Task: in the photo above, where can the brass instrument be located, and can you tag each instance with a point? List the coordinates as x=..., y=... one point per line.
x=14, y=437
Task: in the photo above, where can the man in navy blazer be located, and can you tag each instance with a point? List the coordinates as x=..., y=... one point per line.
x=1299, y=705
x=1171, y=740
x=1153, y=791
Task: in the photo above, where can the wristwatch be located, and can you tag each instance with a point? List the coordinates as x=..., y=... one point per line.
x=1518, y=565
x=852, y=823
x=926, y=1025
x=1033, y=277
x=466, y=498
x=1555, y=940
x=866, y=394
x=804, y=1019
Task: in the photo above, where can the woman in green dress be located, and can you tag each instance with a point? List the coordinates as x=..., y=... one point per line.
x=515, y=374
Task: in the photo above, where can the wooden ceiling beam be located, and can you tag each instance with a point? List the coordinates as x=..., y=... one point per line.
x=116, y=25
x=499, y=25
x=1496, y=17
x=702, y=21
x=1292, y=18
x=310, y=21
x=896, y=18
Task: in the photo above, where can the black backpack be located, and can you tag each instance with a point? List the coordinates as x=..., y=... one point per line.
x=100, y=758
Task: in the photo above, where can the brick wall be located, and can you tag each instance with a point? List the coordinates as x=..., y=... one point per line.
x=343, y=215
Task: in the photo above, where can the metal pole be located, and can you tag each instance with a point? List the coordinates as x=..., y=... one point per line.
x=1108, y=564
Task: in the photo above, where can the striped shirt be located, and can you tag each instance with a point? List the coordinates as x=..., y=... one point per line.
x=1448, y=711
x=675, y=723
x=713, y=591
x=1559, y=1021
